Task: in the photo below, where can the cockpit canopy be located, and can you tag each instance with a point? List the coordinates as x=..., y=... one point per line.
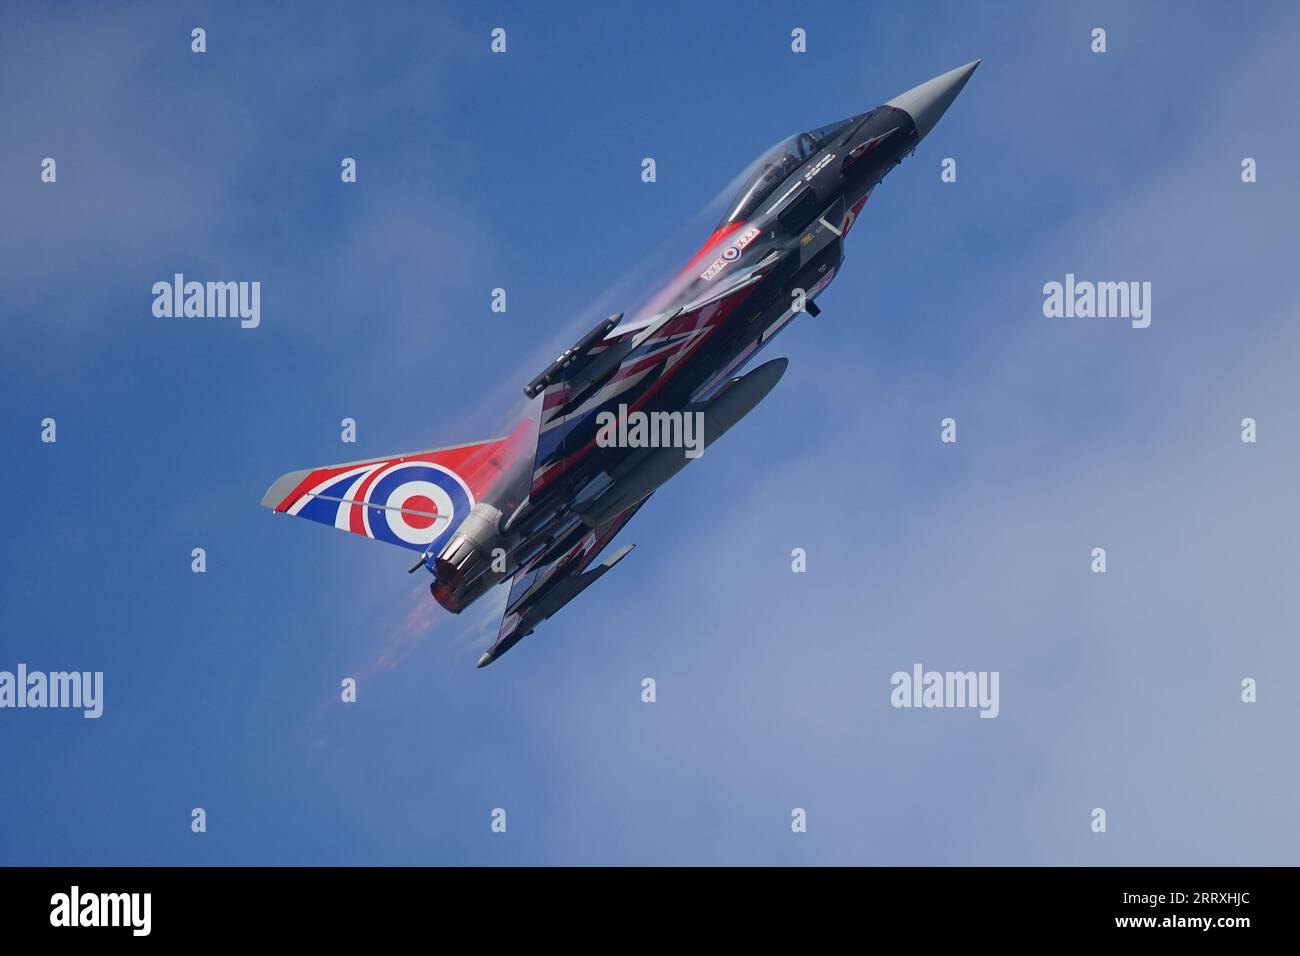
x=772, y=168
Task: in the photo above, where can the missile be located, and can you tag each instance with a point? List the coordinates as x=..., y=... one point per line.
x=640, y=475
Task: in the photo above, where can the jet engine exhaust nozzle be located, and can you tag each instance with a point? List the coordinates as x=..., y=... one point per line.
x=465, y=558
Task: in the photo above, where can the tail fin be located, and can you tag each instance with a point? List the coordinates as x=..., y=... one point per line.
x=415, y=500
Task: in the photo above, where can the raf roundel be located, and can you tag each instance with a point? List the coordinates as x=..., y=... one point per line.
x=415, y=504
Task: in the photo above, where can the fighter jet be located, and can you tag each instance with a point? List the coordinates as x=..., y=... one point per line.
x=539, y=506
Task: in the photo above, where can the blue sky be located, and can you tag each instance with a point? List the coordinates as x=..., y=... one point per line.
x=523, y=171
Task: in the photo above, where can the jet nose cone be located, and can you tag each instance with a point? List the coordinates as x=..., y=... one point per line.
x=485, y=660
x=927, y=102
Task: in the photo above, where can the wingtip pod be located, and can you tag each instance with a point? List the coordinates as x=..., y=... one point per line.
x=927, y=103
x=501, y=646
x=617, y=556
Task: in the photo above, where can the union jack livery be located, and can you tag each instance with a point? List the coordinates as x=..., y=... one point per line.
x=540, y=505
x=414, y=500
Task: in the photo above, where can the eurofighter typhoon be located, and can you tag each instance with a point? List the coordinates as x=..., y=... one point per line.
x=539, y=506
